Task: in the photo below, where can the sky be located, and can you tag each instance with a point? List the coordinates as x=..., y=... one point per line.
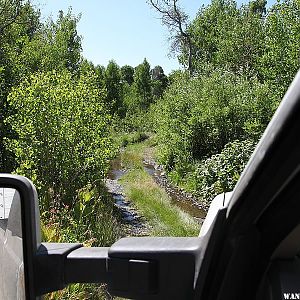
x=126, y=31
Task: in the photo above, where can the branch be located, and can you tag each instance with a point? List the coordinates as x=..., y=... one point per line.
x=159, y=9
x=175, y=19
x=163, y=12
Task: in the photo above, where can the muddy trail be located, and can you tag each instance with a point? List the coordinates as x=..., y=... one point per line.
x=184, y=200
x=136, y=225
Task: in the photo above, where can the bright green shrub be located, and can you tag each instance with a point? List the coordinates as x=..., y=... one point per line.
x=63, y=136
x=93, y=219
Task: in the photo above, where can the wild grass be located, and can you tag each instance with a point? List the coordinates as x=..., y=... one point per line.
x=92, y=221
x=151, y=200
x=132, y=157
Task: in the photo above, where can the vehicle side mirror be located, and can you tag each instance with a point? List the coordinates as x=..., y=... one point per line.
x=19, y=237
x=24, y=260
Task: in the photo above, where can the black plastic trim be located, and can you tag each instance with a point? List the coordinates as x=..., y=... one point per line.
x=86, y=265
x=50, y=266
x=30, y=225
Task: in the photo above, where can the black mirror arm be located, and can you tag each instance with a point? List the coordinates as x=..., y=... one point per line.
x=147, y=268
x=49, y=266
x=87, y=265
x=154, y=268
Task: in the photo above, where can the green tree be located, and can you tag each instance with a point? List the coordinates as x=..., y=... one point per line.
x=18, y=23
x=227, y=36
x=87, y=66
x=159, y=81
x=56, y=46
x=177, y=22
x=258, y=7
x=114, y=87
x=198, y=117
x=281, y=58
x=100, y=74
x=63, y=138
x=142, y=84
x=127, y=74
x=10, y=11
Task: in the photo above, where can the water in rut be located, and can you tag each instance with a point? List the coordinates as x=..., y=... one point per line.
x=178, y=197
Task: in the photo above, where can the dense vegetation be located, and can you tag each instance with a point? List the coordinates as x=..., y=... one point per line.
x=240, y=60
x=62, y=119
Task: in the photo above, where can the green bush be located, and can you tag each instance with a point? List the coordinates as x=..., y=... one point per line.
x=221, y=172
x=63, y=135
x=279, y=62
x=198, y=117
x=132, y=138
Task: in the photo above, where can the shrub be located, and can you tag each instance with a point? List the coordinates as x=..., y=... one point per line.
x=221, y=172
x=92, y=220
x=198, y=117
x=63, y=138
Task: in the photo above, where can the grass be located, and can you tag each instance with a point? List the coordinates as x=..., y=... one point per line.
x=132, y=156
x=91, y=221
x=150, y=199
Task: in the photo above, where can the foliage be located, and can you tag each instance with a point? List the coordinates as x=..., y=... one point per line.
x=55, y=46
x=127, y=74
x=80, y=291
x=80, y=223
x=247, y=39
x=28, y=46
x=159, y=81
x=177, y=21
x=114, y=88
x=62, y=111
x=220, y=172
x=132, y=138
x=280, y=60
x=63, y=139
x=199, y=116
x=18, y=23
x=142, y=85
x=226, y=35
x=93, y=221
x=244, y=58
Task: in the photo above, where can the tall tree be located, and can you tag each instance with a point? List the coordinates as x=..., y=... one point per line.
x=142, y=84
x=100, y=75
x=258, y=7
x=159, y=81
x=56, y=46
x=127, y=74
x=18, y=23
x=10, y=11
x=281, y=58
x=177, y=22
x=114, y=87
x=227, y=36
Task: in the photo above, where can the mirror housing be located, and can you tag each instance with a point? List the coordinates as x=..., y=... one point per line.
x=30, y=225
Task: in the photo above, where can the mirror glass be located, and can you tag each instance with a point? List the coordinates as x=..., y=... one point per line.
x=12, y=284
